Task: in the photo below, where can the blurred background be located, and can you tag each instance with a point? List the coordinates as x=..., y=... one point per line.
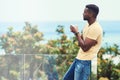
x=36, y=42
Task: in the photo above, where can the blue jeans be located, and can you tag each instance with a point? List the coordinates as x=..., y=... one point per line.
x=79, y=70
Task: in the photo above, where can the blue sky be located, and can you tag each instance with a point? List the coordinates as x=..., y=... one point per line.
x=55, y=10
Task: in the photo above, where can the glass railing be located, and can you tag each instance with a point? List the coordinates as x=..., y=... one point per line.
x=37, y=67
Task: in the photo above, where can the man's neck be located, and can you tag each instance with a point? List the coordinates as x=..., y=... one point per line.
x=91, y=21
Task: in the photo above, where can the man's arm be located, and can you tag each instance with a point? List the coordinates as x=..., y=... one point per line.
x=84, y=44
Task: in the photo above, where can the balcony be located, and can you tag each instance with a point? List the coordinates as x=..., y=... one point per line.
x=37, y=67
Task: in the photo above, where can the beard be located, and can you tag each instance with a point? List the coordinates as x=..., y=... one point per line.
x=85, y=18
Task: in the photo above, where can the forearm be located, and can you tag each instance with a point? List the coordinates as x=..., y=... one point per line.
x=81, y=42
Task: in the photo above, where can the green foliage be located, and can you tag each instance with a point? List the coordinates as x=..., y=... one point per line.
x=28, y=42
x=62, y=45
x=60, y=29
x=106, y=67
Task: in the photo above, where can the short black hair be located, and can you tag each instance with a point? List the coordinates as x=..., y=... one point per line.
x=94, y=8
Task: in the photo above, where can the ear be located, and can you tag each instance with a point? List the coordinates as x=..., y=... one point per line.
x=91, y=14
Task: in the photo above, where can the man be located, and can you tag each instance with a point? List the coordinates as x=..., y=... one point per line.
x=89, y=42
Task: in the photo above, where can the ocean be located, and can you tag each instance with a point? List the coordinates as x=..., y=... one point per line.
x=111, y=29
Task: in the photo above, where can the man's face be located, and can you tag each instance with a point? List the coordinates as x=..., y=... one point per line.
x=86, y=14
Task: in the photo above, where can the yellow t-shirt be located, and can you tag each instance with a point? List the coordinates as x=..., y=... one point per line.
x=95, y=32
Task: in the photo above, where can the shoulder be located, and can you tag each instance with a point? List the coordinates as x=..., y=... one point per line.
x=96, y=27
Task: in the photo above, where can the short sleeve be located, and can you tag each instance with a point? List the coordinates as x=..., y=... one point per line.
x=93, y=32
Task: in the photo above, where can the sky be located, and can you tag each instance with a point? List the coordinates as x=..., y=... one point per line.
x=55, y=10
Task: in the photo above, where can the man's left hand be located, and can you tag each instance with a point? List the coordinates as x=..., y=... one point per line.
x=74, y=29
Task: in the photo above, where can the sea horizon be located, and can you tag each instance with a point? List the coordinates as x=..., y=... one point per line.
x=111, y=29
